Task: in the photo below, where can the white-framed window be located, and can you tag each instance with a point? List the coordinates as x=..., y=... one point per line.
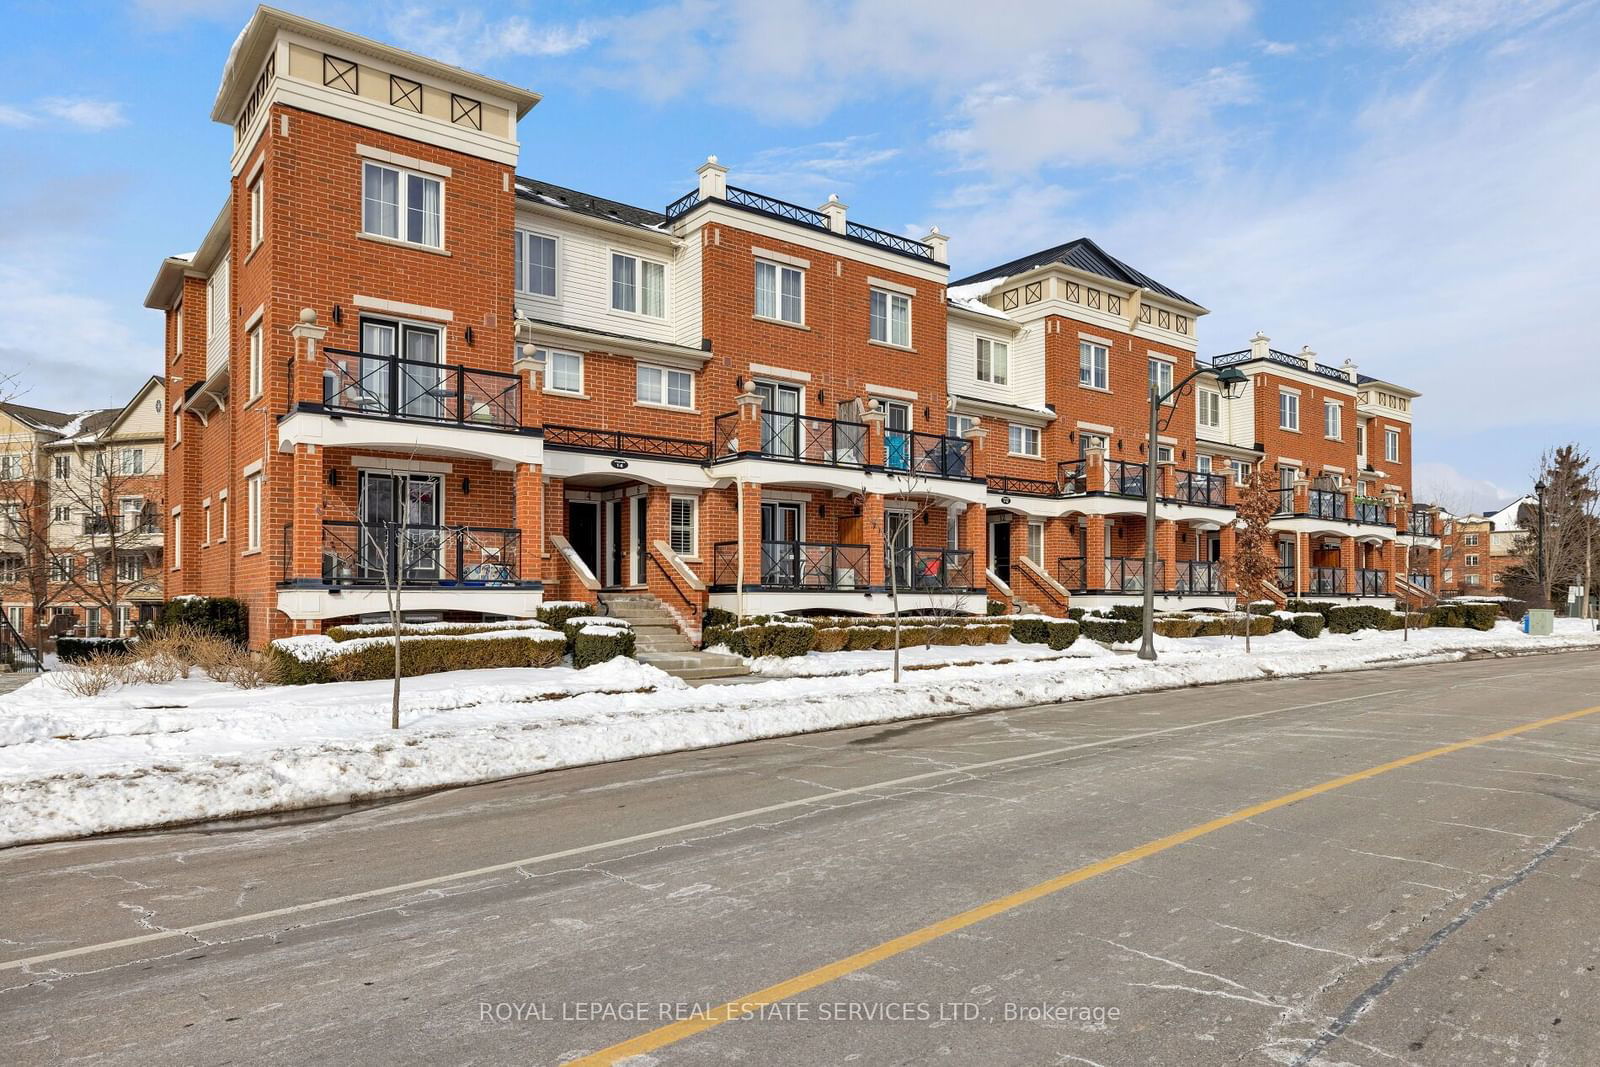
x=401, y=205
x=780, y=292
x=10, y=467
x=61, y=568
x=1093, y=360
x=994, y=361
x=130, y=461
x=61, y=513
x=1024, y=440
x=1163, y=453
x=177, y=328
x=258, y=209
x=891, y=318
x=957, y=425
x=563, y=372
x=11, y=571
x=1241, y=471
x=1472, y=559
x=10, y=516
x=1202, y=464
x=176, y=549
x=1087, y=441
x=1470, y=540
x=1361, y=438
x=1208, y=403
x=1036, y=542
x=130, y=568
x=536, y=264
x=1474, y=579
x=1391, y=445
x=252, y=512
x=638, y=286
x=1160, y=375
x=1332, y=419
x=1288, y=411
x=205, y=529
x=664, y=386
x=63, y=466
x=681, y=532
x=222, y=520
x=253, y=369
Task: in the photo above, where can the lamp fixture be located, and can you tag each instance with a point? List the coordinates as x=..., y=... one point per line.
x=338, y=314
x=468, y=335
x=466, y=486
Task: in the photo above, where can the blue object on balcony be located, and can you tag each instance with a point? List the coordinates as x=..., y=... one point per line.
x=897, y=450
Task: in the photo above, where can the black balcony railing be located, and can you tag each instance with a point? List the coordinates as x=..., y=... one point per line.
x=1286, y=579
x=873, y=235
x=1372, y=512
x=1129, y=574
x=930, y=569
x=1124, y=478
x=1070, y=573
x=1004, y=483
x=372, y=384
x=793, y=438
x=1193, y=487
x=1327, y=504
x=1071, y=478
x=1327, y=581
x=628, y=444
x=1370, y=582
x=813, y=565
x=935, y=455
x=1285, y=501
x=1422, y=581
x=1199, y=576
x=783, y=209
x=1421, y=523
x=101, y=525
x=381, y=554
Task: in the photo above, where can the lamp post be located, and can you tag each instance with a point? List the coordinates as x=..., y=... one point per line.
x=1544, y=587
x=1232, y=380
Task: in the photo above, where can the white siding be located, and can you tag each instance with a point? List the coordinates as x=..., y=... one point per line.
x=218, y=302
x=684, y=293
x=583, y=280
x=1025, y=384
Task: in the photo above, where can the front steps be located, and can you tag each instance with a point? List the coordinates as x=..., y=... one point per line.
x=659, y=642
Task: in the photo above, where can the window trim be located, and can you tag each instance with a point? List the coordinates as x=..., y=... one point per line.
x=978, y=343
x=1027, y=544
x=253, y=498
x=255, y=357
x=550, y=355
x=521, y=258
x=889, y=297
x=1203, y=397
x=1087, y=347
x=1336, y=410
x=258, y=209
x=666, y=391
x=639, y=260
x=1242, y=471
x=693, y=555
x=1012, y=435
x=402, y=190
x=1294, y=398
x=778, y=268
x=1391, y=437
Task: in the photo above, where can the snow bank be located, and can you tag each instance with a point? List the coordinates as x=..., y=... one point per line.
x=192, y=749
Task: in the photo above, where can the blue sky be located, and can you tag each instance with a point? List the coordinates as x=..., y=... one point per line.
x=1411, y=185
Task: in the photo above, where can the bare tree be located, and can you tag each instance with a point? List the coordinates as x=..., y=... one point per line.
x=1254, y=562
x=25, y=551
x=1553, y=552
x=110, y=536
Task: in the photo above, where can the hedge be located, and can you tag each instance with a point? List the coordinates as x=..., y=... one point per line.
x=772, y=639
x=221, y=616
x=1040, y=630
x=1308, y=624
x=995, y=607
x=1417, y=620
x=1177, y=626
x=306, y=660
x=555, y=613
x=80, y=649
x=357, y=631
x=1110, y=631
x=1347, y=620
x=1321, y=607
x=596, y=644
x=1478, y=616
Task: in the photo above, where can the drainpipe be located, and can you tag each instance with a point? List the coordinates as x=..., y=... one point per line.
x=738, y=485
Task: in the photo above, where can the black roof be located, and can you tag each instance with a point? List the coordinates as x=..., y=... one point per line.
x=1082, y=254
x=38, y=416
x=587, y=204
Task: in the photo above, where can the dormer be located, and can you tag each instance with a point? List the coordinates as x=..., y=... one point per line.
x=283, y=58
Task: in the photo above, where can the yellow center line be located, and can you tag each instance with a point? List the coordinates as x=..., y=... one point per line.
x=752, y=1003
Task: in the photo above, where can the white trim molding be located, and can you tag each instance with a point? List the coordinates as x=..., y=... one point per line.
x=400, y=307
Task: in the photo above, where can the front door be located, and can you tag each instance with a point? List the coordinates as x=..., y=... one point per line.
x=780, y=543
x=400, y=530
x=583, y=532
x=897, y=436
x=639, y=540
x=1000, y=550
x=897, y=541
x=780, y=426
x=613, y=542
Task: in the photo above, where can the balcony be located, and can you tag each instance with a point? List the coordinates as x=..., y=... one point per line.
x=1072, y=477
x=1370, y=582
x=1372, y=512
x=793, y=438
x=1009, y=486
x=609, y=442
x=804, y=216
x=389, y=554
x=931, y=454
x=1420, y=523
x=796, y=565
x=1070, y=571
x=365, y=383
x=1199, y=576
x=1327, y=504
x=1285, y=578
x=1327, y=581
x=1422, y=581
x=931, y=569
x=1207, y=490
x=1285, y=502
x=1124, y=478
x=1128, y=574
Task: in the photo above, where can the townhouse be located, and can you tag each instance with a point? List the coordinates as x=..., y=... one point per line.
x=396, y=365
x=81, y=541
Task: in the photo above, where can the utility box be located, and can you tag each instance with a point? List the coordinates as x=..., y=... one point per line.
x=1540, y=622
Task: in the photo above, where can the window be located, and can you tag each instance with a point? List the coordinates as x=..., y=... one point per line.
x=416, y=216
x=1241, y=472
x=958, y=425
x=1087, y=441
x=563, y=372
x=1289, y=411
x=258, y=208
x=177, y=540
x=994, y=361
x=1092, y=359
x=91, y=622
x=11, y=571
x=10, y=468
x=1361, y=439
x=1161, y=376
x=638, y=286
x=536, y=264
x=1470, y=539
x=1449, y=574
x=99, y=464
x=205, y=511
x=1472, y=559
x=680, y=525
x=891, y=318
x=1163, y=453
x=780, y=292
x=63, y=465
x=130, y=569
x=61, y=513
x=1036, y=542
x=61, y=568
x=1391, y=445
x=1473, y=579
x=1024, y=440
x=660, y=385
x=10, y=516
x=1202, y=464
x=254, y=368
x=222, y=502
x=177, y=328
x=1210, y=405
x=252, y=512
x=130, y=461
x=1332, y=412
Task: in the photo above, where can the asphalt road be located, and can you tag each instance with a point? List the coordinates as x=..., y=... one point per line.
x=1238, y=874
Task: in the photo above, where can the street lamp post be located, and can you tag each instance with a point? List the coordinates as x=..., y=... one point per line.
x=1232, y=380
x=1544, y=586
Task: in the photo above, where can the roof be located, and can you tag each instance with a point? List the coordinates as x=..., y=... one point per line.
x=1081, y=254
x=38, y=418
x=541, y=192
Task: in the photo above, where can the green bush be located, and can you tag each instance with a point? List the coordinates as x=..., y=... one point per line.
x=370, y=660
x=80, y=649
x=1126, y=612
x=1347, y=620
x=596, y=644
x=1464, y=614
x=1076, y=614
x=773, y=639
x=1063, y=632
x=862, y=638
x=432, y=629
x=1109, y=631
x=831, y=638
x=556, y=613
x=717, y=617
x=1030, y=630
x=996, y=607
x=1321, y=607
x=220, y=616
x=1307, y=625
x=1177, y=627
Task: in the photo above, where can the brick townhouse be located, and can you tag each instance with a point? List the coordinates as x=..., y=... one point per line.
x=395, y=363
x=81, y=541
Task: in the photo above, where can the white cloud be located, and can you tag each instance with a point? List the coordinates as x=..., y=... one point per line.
x=813, y=169
x=14, y=116
x=1434, y=24
x=468, y=39
x=1460, y=494
x=93, y=115
x=1279, y=48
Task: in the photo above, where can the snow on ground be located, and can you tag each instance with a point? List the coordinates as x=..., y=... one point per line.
x=914, y=657
x=148, y=755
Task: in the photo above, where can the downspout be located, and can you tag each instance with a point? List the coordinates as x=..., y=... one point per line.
x=738, y=485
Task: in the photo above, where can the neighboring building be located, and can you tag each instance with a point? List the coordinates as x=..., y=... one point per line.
x=393, y=361
x=81, y=542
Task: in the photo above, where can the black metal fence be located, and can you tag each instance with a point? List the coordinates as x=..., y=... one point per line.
x=628, y=444
x=382, y=554
x=373, y=384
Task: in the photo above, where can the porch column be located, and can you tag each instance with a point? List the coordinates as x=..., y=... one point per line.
x=306, y=378
x=528, y=518
x=975, y=436
x=1167, y=483
x=1391, y=562
x=1302, y=561
x=973, y=527
x=1349, y=563
x=748, y=407
x=1094, y=472
x=1166, y=550
x=306, y=508
x=1097, y=530
x=1226, y=544
x=750, y=525
x=872, y=533
x=1302, y=495
x=875, y=420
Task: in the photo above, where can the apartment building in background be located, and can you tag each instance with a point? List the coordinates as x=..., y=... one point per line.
x=81, y=540
x=393, y=362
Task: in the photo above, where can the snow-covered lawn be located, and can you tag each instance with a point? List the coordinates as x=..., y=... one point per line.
x=146, y=755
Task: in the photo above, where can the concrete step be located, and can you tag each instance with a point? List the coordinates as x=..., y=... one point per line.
x=680, y=645
x=696, y=666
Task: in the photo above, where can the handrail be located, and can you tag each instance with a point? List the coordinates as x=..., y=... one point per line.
x=994, y=580
x=691, y=579
x=1125, y=478
x=793, y=438
x=1005, y=483
x=662, y=549
x=917, y=452
x=1074, y=572
x=1197, y=487
x=1038, y=574
x=395, y=387
x=585, y=576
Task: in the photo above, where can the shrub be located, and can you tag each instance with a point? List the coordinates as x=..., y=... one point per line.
x=1478, y=616
x=93, y=675
x=773, y=639
x=995, y=607
x=318, y=658
x=356, y=631
x=717, y=617
x=1063, y=632
x=219, y=616
x=1321, y=607
x=596, y=644
x=1347, y=620
x=1126, y=612
x=1307, y=624
x=999, y=634
x=1110, y=631
x=1076, y=614
x=1030, y=629
x=831, y=638
x=860, y=638
x=1181, y=626
x=555, y=613
x=1213, y=627
x=83, y=649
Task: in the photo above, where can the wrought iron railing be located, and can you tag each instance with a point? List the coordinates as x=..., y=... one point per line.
x=1199, y=576
x=1285, y=501
x=783, y=209
x=1421, y=523
x=1193, y=487
x=1124, y=478
x=1229, y=359
x=416, y=389
x=1327, y=581
x=125, y=524
x=382, y=554
x=683, y=205
x=932, y=454
x=1328, y=504
x=629, y=444
x=888, y=240
x=1004, y=483
x=928, y=569
x=1070, y=572
x=814, y=565
x=1071, y=476
x=1372, y=512
x=1371, y=582
x=771, y=205
x=795, y=438
x=1422, y=581
x=1286, y=579
x=1128, y=574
